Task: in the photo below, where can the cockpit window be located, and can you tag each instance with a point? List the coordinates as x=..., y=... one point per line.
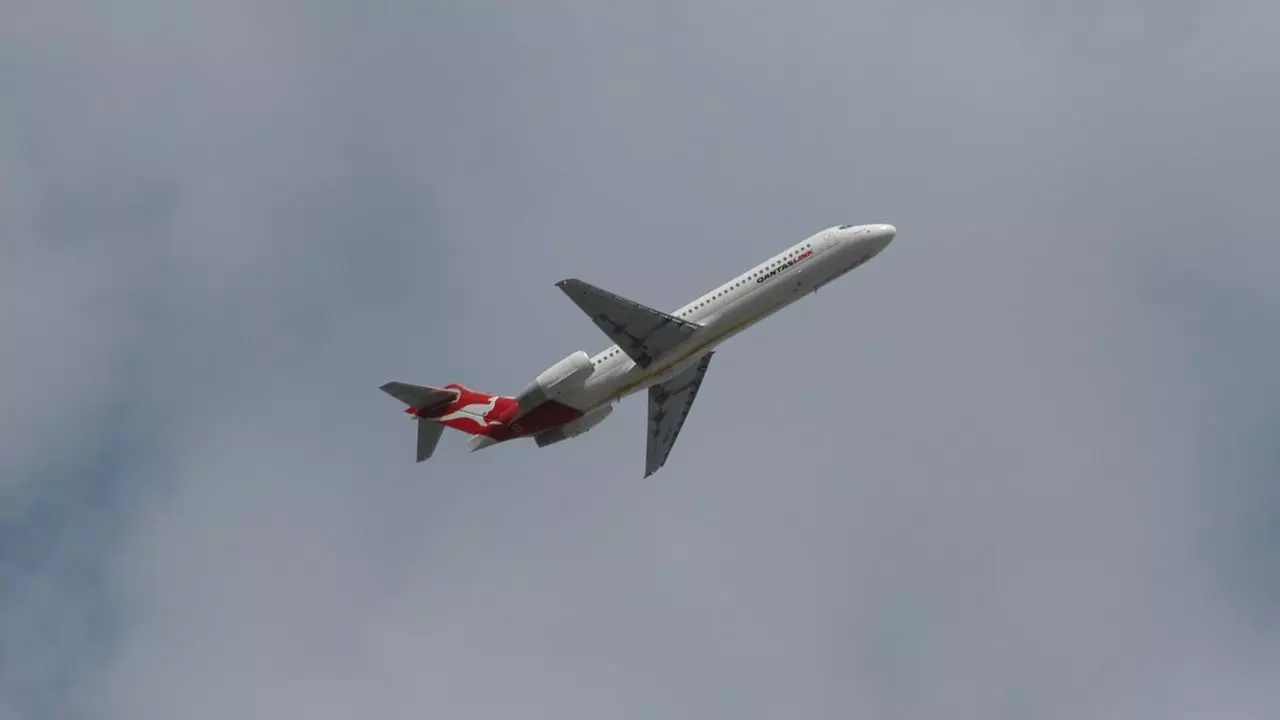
x=844, y=227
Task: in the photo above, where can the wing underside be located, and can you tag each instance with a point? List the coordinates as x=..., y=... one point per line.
x=669, y=405
x=641, y=332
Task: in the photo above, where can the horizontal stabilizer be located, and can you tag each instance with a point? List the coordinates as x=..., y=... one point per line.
x=418, y=396
x=643, y=333
x=479, y=442
x=428, y=438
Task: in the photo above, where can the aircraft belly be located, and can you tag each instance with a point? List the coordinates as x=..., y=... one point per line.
x=550, y=414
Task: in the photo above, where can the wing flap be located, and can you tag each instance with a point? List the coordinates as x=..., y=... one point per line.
x=669, y=405
x=641, y=332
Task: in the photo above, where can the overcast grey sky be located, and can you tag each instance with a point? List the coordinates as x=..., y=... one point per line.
x=1023, y=464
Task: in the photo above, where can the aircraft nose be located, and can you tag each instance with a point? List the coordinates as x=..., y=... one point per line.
x=878, y=231
x=881, y=235
x=871, y=237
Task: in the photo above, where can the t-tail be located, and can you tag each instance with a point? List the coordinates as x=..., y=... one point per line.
x=454, y=406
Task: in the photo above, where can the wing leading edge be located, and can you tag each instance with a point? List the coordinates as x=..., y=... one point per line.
x=643, y=333
x=669, y=405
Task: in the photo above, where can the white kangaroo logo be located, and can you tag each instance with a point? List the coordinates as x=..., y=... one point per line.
x=475, y=412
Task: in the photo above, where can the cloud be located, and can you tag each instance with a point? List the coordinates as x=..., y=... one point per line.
x=1005, y=469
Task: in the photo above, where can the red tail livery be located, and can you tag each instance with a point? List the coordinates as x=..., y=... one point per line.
x=472, y=412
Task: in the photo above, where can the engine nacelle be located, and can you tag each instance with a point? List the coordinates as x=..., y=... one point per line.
x=575, y=428
x=566, y=374
x=556, y=380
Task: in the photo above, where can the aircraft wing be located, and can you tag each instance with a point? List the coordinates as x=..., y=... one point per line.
x=669, y=404
x=643, y=333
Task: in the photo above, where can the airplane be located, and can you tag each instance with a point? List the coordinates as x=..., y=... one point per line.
x=665, y=353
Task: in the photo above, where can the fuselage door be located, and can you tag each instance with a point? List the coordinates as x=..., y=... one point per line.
x=828, y=239
x=799, y=275
x=804, y=277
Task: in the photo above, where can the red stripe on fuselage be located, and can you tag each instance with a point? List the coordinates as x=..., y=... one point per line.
x=548, y=415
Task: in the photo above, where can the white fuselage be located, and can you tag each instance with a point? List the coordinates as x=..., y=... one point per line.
x=735, y=306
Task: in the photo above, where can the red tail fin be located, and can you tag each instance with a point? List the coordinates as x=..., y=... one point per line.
x=455, y=406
